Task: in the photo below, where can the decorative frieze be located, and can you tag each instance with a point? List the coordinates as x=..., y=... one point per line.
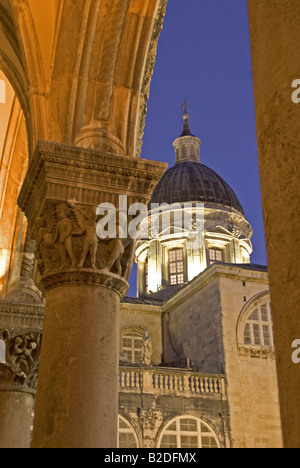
x=257, y=352
x=21, y=315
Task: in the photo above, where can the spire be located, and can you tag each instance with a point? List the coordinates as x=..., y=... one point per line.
x=185, y=117
x=187, y=146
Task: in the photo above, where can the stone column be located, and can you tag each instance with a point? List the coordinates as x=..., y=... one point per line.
x=17, y=387
x=83, y=279
x=275, y=49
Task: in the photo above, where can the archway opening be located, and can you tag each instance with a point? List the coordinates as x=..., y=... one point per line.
x=13, y=167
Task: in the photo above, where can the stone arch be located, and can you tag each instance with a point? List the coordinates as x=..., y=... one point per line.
x=14, y=163
x=95, y=96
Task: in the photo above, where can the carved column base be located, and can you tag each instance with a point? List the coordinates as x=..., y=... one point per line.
x=77, y=397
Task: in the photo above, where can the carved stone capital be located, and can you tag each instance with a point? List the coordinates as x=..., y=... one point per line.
x=62, y=189
x=84, y=276
x=22, y=359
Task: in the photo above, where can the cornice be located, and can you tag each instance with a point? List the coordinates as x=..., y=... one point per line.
x=62, y=172
x=210, y=274
x=151, y=308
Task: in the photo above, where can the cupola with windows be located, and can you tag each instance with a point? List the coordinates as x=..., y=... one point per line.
x=195, y=220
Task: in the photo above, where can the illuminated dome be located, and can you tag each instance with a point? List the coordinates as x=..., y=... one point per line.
x=195, y=221
x=191, y=181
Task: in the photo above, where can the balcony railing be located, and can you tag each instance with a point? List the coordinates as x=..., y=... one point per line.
x=170, y=381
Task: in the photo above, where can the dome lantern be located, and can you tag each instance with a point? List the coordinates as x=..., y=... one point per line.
x=187, y=146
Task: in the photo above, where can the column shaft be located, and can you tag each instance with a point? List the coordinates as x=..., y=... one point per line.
x=275, y=48
x=15, y=418
x=77, y=401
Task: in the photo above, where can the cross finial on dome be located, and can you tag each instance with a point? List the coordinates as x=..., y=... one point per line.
x=185, y=108
x=185, y=117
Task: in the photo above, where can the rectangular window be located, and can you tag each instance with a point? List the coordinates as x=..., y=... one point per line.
x=176, y=266
x=215, y=256
x=132, y=347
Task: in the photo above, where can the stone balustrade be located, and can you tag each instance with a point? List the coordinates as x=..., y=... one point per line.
x=170, y=381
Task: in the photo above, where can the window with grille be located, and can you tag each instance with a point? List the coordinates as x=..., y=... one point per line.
x=215, y=256
x=127, y=435
x=176, y=266
x=188, y=432
x=259, y=327
x=132, y=347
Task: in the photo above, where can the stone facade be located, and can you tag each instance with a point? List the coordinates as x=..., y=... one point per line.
x=205, y=369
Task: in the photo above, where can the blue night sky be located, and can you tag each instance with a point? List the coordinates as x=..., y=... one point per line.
x=204, y=56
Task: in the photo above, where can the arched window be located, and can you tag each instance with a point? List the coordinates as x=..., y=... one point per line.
x=127, y=435
x=2, y=351
x=2, y=92
x=188, y=432
x=259, y=326
x=132, y=343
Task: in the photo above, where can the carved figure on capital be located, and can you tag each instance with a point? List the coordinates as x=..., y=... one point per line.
x=22, y=358
x=45, y=249
x=66, y=237
x=117, y=253
x=87, y=220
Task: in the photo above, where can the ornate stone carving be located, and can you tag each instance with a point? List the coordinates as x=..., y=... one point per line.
x=22, y=359
x=21, y=315
x=148, y=418
x=24, y=289
x=147, y=349
x=256, y=352
x=62, y=188
x=66, y=237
